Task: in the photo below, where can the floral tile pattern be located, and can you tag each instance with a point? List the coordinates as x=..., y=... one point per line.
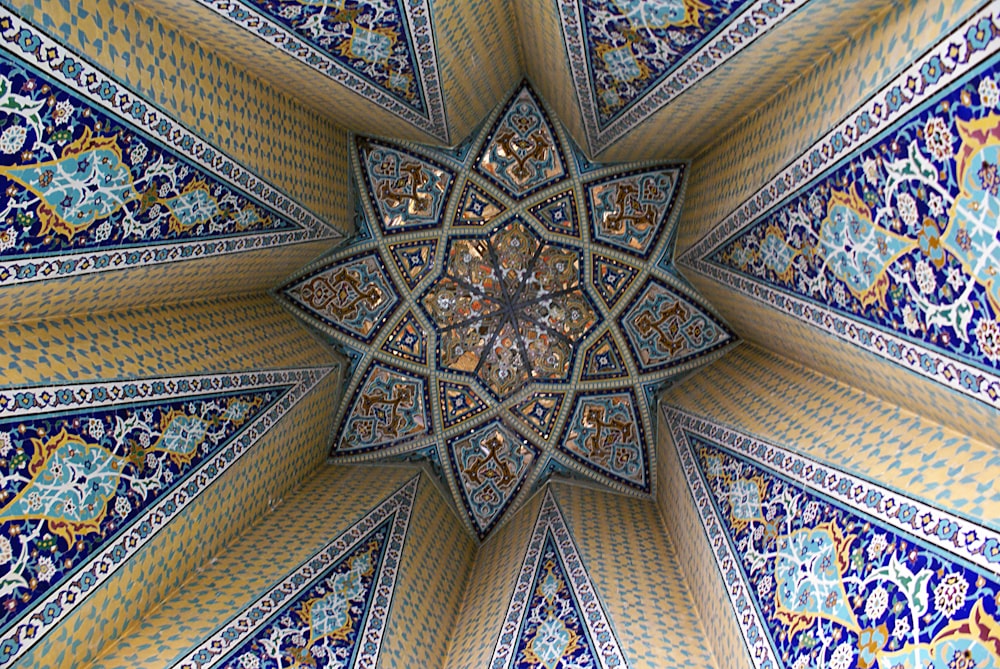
x=491, y=464
x=630, y=58
x=884, y=234
x=482, y=282
x=331, y=611
x=383, y=50
x=91, y=473
x=555, y=618
x=827, y=569
x=96, y=178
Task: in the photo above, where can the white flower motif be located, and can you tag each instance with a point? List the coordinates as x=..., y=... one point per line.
x=926, y=280
x=291, y=11
x=988, y=337
x=876, y=547
x=12, y=138
x=910, y=319
x=46, y=569
x=802, y=662
x=810, y=512
x=6, y=552
x=842, y=657
x=144, y=439
x=102, y=232
x=870, y=168
x=249, y=661
x=938, y=138
x=122, y=506
x=876, y=603
x=5, y=444
x=949, y=595
x=8, y=239
x=989, y=94
x=34, y=501
x=150, y=458
x=907, y=208
x=935, y=204
x=839, y=294
x=62, y=112
x=138, y=153
x=956, y=278
x=901, y=628
x=95, y=428
x=765, y=586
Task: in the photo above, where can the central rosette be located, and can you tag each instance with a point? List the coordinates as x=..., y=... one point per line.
x=509, y=308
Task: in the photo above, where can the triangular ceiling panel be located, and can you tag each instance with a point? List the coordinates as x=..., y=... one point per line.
x=383, y=51
x=558, y=620
x=504, y=322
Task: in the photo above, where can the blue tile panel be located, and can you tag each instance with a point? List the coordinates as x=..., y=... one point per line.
x=555, y=617
x=883, y=232
x=824, y=568
x=97, y=178
x=93, y=472
x=330, y=611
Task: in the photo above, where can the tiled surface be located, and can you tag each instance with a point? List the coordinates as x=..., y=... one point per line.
x=761, y=144
x=481, y=273
x=229, y=107
x=239, y=333
x=694, y=556
x=889, y=245
x=489, y=588
x=476, y=67
x=709, y=103
x=640, y=580
x=763, y=394
x=825, y=567
x=236, y=500
x=841, y=360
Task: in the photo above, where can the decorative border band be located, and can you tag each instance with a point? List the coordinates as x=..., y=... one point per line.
x=51, y=610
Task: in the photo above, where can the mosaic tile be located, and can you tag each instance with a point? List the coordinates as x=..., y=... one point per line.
x=630, y=212
x=558, y=214
x=876, y=233
x=630, y=59
x=408, y=192
x=664, y=328
x=522, y=154
x=332, y=610
x=490, y=464
x=407, y=340
x=382, y=50
x=511, y=291
x=476, y=207
x=811, y=553
x=604, y=432
x=555, y=618
x=389, y=408
x=603, y=361
x=459, y=402
x=415, y=260
x=509, y=308
x=611, y=278
x=540, y=411
x=354, y=296
x=95, y=471
x=98, y=178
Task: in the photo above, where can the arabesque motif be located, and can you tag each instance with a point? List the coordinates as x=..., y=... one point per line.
x=555, y=619
x=478, y=279
x=840, y=572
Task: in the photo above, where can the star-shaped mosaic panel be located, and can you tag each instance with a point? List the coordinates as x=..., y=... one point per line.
x=509, y=312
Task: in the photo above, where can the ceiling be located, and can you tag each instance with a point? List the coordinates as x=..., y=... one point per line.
x=511, y=308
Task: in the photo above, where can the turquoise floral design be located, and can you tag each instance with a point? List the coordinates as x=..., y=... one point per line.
x=73, y=482
x=902, y=233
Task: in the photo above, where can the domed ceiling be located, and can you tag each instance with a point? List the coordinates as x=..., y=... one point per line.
x=510, y=308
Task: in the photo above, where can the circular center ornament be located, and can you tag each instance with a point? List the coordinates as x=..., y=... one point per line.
x=509, y=308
